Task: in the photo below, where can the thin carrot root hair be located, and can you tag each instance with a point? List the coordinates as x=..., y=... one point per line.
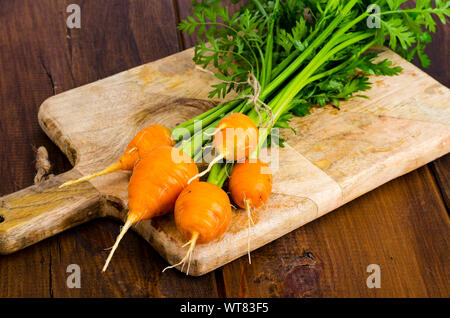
x=187, y=258
x=132, y=149
x=213, y=133
x=114, y=167
x=130, y=221
x=211, y=164
x=207, y=147
x=250, y=223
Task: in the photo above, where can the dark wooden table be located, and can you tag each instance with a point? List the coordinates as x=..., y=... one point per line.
x=403, y=226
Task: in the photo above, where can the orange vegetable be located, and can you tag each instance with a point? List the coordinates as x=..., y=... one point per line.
x=250, y=183
x=157, y=180
x=235, y=138
x=250, y=186
x=144, y=142
x=202, y=214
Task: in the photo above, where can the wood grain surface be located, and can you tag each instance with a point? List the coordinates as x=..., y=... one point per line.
x=320, y=259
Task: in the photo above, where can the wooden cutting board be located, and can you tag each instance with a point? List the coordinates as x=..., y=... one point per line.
x=335, y=156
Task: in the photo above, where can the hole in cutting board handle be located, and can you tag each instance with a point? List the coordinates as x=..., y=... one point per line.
x=2, y=218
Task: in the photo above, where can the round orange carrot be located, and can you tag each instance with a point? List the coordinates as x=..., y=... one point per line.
x=236, y=137
x=144, y=142
x=250, y=186
x=157, y=180
x=250, y=183
x=202, y=213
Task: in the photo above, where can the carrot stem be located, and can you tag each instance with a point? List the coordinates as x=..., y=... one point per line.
x=220, y=173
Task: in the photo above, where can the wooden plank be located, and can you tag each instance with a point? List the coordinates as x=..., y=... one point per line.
x=39, y=57
x=440, y=70
x=134, y=272
x=117, y=35
x=390, y=226
x=441, y=169
x=24, y=84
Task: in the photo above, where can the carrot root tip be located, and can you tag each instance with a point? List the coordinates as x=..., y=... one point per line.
x=250, y=222
x=187, y=258
x=124, y=229
x=114, y=167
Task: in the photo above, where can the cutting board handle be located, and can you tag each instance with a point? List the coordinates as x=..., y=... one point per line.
x=40, y=211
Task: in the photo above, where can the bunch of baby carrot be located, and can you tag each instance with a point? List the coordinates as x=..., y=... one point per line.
x=165, y=179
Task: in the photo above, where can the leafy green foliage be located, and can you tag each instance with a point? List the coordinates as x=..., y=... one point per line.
x=384, y=67
x=227, y=42
x=276, y=40
x=411, y=27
